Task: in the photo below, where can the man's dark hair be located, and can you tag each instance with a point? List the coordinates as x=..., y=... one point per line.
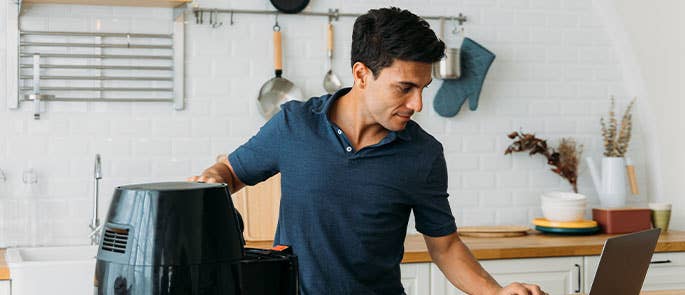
x=382, y=35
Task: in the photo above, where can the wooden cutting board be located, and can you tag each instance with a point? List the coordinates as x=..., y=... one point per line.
x=500, y=231
x=259, y=206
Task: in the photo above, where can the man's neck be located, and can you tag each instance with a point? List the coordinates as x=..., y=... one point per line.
x=349, y=112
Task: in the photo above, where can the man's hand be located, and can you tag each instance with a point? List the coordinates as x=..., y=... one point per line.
x=220, y=172
x=521, y=289
x=464, y=272
x=208, y=177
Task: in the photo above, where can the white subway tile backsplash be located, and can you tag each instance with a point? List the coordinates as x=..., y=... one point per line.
x=560, y=126
x=474, y=217
x=68, y=146
x=530, y=18
x=495, y=199
x=545, y=37
x=109, y=146
x=554, y=71
x=545, y=4
x=527, y=198
x=498, y=17
x=146, y=147
x=131, y=168
x=512, y=216
x=478, y=180
x=537, y=108
x=563, y=20
x=130, y=127
x=482, y=144
x=173, y=168
x=463, y=162
x=513, y=179
x=463, y=199
x=515, y=4
x=497, y=162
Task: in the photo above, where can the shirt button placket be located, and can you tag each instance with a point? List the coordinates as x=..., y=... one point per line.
x=348, y=149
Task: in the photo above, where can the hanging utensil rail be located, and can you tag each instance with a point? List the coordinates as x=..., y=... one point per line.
x=332, y=14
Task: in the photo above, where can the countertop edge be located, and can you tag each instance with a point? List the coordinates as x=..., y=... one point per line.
x=4, y=269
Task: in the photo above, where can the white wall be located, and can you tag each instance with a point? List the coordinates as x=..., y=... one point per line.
x=654, y=44
x=554, y=72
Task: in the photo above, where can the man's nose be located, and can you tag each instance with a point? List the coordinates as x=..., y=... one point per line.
x=416, y=102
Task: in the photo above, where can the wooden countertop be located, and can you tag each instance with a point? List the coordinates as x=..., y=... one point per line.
x=4, y=270
x=532, y=245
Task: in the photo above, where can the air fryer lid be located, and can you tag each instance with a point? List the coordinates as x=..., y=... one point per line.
x=171, y=223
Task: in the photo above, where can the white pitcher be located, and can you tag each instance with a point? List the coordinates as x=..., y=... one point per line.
x=611, y=186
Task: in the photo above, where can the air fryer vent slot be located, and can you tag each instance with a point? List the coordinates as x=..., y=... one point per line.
x=115, y=239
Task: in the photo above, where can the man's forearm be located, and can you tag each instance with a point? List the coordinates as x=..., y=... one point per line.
x=463, y=270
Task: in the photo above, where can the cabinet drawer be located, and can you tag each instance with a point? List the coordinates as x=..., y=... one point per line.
x=665, y=273
x=554, y=275
x=415, y=278
x=5, y=287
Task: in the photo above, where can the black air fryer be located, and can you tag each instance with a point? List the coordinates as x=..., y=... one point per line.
x=185, y=238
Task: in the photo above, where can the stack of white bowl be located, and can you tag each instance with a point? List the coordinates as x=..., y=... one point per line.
x=563, y=206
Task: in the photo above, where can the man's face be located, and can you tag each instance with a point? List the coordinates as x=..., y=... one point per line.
x=396, y=93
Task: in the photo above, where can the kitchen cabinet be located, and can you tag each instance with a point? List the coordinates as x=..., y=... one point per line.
x=665, y=272
x=5, y=287
x=554, y=275
x=416, y=278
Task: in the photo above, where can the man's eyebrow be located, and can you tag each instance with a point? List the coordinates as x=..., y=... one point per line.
x=412, y=84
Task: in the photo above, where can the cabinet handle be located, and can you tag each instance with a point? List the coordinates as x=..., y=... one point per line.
x=578, y=268
x=660, y=261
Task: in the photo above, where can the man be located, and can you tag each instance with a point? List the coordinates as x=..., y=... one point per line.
x=354, y=165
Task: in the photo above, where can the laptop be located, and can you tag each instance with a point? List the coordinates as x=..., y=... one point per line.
x=624, y=263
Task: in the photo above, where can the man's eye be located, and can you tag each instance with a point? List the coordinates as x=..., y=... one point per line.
x=406, y=89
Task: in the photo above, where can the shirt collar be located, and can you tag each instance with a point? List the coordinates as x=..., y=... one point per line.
x=328, y=100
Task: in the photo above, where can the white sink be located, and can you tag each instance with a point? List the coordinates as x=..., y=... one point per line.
x=52, y=270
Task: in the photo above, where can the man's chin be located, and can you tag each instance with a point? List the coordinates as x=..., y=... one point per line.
x=397, y=126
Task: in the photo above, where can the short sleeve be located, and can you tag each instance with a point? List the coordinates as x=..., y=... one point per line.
x=258, y=159
x=431, y=208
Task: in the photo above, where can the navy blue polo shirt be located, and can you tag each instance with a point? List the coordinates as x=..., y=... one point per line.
x=345, y=211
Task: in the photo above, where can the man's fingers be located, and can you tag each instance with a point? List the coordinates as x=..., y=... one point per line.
x=535, y=289
x=202, y=178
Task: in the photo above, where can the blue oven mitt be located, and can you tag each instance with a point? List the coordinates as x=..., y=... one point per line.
x=475, y=62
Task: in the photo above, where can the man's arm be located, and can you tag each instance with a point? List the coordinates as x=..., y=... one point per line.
x=464, y=272
x=220, y=172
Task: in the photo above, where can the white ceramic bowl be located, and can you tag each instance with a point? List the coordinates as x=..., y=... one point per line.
x=563, y=199
x=563, y=213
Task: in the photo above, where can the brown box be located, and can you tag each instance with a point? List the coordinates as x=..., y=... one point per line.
x=622, y=220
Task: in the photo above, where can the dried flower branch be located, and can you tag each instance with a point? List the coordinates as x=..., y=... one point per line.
x=565, y=160
x=616, y=141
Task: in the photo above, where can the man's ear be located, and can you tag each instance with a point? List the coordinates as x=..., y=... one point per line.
x=361, y=73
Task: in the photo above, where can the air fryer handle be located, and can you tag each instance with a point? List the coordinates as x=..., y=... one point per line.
x=241, y=225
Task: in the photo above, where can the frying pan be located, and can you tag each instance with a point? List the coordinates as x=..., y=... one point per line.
x=290, y=6
x=278, y=89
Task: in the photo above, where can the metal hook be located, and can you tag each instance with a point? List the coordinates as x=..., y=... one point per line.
x=231, y=17
x=277, y=28
x=461, y=18
x=216, y=23
x=333, y=14
x=128, y=40
x=458, y=28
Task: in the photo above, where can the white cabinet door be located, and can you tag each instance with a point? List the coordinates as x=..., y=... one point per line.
x=554, y=275
x=416, y=278
x=665, y=273
x=5, y=287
